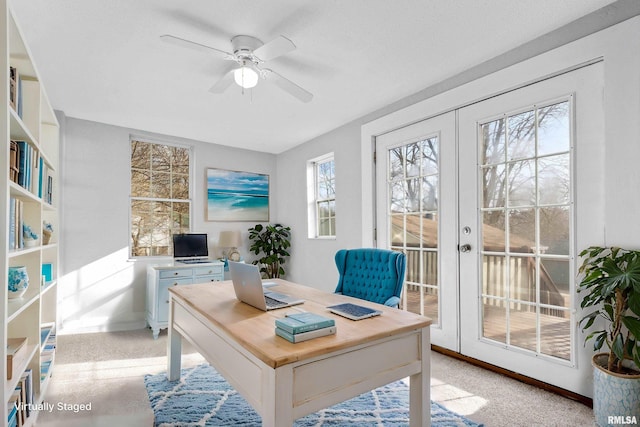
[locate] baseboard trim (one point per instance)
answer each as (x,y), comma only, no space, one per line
(73,328)
(523,378)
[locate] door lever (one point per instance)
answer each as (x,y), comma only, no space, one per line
(465,248)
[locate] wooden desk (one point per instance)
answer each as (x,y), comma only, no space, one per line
(285,381)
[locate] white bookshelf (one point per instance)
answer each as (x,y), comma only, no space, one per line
(34,315)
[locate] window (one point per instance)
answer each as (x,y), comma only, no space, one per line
(160,196)
(322,196)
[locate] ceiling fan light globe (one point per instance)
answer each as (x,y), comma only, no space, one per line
(245,77)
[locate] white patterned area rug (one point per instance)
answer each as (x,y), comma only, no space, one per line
(203,398)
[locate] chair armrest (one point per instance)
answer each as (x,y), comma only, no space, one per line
(392,302)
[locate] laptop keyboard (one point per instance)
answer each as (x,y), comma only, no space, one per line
(274,303)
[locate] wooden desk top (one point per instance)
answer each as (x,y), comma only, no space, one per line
(254,329)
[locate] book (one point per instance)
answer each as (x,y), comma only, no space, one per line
(12,223)
(19,405)
(16,354)
(12,411)
(27,377)
(47,271)
(305,336)
(13,162)
(13,87)
(303,322)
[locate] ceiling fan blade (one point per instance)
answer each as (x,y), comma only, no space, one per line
(288,86)
(224,83)
(276,47)
(196,46)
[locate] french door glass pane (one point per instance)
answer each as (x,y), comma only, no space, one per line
(522,183)
(554,230)
(493,185)
(494,319)
(553,129)
(521,136)
(522,230)
(430,156)
(522,278)
(494,236)
(555,326)
(494,137)
(526,251)
(553,180)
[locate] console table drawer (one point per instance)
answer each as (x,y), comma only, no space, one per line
(210,270)
(211,278)
(176,281)
(186,272)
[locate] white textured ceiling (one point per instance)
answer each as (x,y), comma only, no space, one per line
(103,60)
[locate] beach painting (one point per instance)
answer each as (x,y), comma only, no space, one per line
(237,196)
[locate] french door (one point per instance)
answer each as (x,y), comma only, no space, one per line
(491,203)
(416,176)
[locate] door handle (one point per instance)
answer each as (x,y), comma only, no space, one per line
(466,248)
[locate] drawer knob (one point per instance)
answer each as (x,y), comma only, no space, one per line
(175,284)
(167,301)
(175,273)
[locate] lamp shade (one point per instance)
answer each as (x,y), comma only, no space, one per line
(229,239)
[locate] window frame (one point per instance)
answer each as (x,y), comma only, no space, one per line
(314,199)
(189,200)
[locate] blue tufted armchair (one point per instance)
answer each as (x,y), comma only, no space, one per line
(371,274)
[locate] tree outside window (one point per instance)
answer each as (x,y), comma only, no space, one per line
(160,200)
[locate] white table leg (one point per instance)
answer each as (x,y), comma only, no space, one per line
(174,347)
(278,403)
(420,387)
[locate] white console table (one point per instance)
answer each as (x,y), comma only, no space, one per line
(160,277)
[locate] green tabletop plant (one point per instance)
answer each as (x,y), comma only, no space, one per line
(272,241)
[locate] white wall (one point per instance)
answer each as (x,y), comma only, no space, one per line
(100,288)
(312,261)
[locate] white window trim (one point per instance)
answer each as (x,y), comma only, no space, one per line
(312,200)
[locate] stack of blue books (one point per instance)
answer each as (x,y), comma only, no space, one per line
(298,327)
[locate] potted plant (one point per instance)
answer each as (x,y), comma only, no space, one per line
(611,285)
(273,242)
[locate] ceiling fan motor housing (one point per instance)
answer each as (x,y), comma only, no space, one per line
(243,47)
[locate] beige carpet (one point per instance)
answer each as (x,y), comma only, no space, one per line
(106,370)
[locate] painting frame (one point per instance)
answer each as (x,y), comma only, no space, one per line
(236,196)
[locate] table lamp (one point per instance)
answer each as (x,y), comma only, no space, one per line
(230,240)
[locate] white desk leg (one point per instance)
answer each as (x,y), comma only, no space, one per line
(174,347)
(420,386)
(278,403)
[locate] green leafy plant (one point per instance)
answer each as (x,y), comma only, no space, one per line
(272,241)
(611,282)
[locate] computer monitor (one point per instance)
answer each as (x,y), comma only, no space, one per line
(192,245)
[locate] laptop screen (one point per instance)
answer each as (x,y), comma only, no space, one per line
(191,245)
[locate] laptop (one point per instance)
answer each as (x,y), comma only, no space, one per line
(191,248)
(247,284)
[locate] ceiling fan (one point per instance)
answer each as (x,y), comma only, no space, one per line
(249,55)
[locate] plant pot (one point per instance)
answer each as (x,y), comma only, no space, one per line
(616,397)
(18,281)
